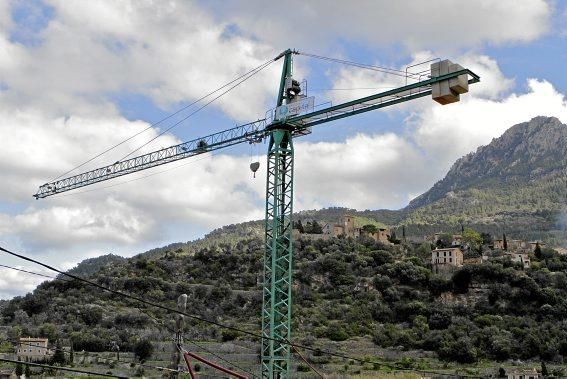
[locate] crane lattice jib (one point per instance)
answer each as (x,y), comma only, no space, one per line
(245,133)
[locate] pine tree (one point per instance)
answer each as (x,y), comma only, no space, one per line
(59,355)
(544,371)
(537,251)
(19,370)
(505,242)
(71,355)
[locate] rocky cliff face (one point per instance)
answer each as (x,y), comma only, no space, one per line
(527,152)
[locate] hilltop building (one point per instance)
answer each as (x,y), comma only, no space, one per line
(348,228)
(447,258)
(522,258)
(32,349)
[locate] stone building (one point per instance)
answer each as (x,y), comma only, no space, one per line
(452,256)
(519,373)
(522,258)
(348,228)
(498,244)
(32,349)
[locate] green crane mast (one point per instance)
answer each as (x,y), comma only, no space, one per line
(445,82)
(278,254)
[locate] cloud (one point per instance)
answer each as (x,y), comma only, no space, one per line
(460,128)
(172,52)
(493,84)
(14,283)
(414,24)
(365,171)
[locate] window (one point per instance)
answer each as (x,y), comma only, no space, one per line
(450,260)
(444,253)
(437,253)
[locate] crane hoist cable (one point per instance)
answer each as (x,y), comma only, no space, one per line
(385,70)
(198,109)
(260,67)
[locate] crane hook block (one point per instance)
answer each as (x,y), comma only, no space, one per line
(254,166)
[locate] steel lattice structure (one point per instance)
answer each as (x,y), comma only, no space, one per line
(277,287)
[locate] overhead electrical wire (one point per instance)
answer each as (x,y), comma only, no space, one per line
(260,67)
(62,368)
(33,273)
(200,346)
(218,324)
(107,359)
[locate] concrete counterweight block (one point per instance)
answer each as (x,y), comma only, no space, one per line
(441,91)
(460,84)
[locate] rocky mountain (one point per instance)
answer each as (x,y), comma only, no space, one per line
(525,154)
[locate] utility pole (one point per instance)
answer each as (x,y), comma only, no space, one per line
(178,339)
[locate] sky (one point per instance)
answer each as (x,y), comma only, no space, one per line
(77,77)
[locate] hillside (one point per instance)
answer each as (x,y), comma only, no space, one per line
(516,184)
(357,297)
(528,153)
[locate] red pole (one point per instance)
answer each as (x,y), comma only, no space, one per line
(191,373)
(187,354)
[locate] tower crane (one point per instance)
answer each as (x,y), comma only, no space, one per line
(294,116)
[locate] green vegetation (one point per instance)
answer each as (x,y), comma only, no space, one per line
(344,288)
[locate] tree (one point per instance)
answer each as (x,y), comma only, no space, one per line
(299,226)
(27,371)
(444,240)
(143,350)
(19,370)
(486,238)
(501,372)
(505,242)
(544,371)
(370,229)
(472,238)
(59,355)
(316,228)
(537,251)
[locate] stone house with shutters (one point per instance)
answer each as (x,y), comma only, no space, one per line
(447,258)
(33,349)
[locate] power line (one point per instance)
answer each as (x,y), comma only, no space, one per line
(107,359)
(200,346)
(218,324)
(61,368)
(33,273)
(260,67)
